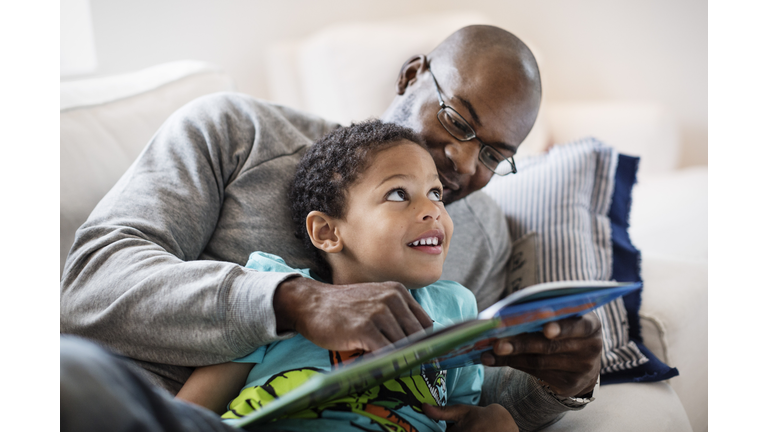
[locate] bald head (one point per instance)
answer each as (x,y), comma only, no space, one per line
(497,58)
(475,43)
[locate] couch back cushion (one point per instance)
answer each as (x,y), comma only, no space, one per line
(106,122)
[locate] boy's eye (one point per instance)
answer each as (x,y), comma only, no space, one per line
(434,195)
(396,195)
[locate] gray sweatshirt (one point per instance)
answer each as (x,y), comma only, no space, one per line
(156,272)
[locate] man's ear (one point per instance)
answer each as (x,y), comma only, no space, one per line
(322,231)
(412,67)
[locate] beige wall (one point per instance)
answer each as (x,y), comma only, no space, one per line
(651,50)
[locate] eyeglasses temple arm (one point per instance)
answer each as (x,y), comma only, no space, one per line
(437,87)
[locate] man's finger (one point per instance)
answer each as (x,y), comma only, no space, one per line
(546,363)
(503,347)
(581,327)
(412,319)
(529,343)
(452,413)
(387,324)
(424,319)
(373,341)
(537,343)
(407,312)
(421,316)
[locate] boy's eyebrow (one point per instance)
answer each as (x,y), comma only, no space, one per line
(403,176)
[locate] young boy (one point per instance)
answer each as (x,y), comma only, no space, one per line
(366,200)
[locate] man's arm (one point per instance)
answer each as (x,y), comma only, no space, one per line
(133,279)
(153,273)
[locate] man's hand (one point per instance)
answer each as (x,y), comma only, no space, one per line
(565,355)
(364,316)
(468,418)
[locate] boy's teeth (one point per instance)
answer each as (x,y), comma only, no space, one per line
(431,241)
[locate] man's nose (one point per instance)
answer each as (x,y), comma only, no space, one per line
(464,155)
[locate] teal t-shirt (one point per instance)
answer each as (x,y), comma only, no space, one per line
(394,405)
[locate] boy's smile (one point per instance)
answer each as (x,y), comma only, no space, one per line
(395,226)
(430,242)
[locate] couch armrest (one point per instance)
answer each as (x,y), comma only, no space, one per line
(674,325)
(669,226)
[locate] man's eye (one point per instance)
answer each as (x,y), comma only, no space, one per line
(495,158)
(460,125)
(435,195)
(396,195)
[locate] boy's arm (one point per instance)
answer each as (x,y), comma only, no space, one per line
(465,418)
(214,386)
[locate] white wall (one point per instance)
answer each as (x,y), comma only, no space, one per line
(651,50)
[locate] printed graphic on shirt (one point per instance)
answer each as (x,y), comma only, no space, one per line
(378,405)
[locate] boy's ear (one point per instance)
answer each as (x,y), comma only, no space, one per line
(322,231)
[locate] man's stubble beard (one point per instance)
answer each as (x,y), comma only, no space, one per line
(402,115)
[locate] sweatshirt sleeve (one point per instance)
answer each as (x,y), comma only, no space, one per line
(133,279)
(532,407)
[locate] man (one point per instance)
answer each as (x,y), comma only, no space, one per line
(156,271)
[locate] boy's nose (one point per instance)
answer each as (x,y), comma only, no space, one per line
(429,210)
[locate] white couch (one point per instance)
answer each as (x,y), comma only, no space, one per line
(106,122)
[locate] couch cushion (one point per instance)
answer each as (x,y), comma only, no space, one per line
(629,408)
(106,122)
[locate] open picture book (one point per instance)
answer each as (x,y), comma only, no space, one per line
(455,346)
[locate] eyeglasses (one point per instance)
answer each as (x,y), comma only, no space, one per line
(460,129)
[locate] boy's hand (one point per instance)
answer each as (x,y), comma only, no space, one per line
(494,417)
(364,316)
(566,354)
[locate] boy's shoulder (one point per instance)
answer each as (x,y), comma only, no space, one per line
(267,262)
(447,299)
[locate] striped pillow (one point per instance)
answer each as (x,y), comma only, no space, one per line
(564,197)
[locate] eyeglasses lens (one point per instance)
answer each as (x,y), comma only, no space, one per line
(455,124)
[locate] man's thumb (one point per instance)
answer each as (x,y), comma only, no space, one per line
(449,413)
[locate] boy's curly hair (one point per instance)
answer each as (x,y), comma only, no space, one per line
(329,167)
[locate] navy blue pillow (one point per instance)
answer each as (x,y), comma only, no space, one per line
(626,268)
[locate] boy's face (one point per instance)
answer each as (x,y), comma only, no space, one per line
(392,209)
